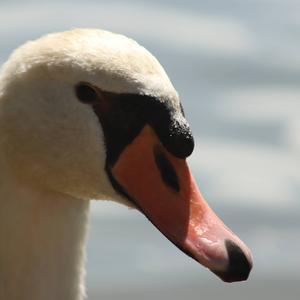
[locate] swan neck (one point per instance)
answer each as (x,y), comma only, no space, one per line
(42,243)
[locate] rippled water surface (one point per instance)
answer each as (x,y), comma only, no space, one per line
(236,66)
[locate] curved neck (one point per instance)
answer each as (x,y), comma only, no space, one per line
(42,243)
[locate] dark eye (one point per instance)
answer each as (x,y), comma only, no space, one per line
(86,93)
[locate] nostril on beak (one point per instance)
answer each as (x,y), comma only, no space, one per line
(239,265)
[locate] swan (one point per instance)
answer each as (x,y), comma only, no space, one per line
(89,114)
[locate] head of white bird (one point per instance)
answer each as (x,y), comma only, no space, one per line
(92,114)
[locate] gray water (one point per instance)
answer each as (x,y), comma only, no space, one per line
(236,66)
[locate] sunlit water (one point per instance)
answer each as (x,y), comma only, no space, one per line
(237,69)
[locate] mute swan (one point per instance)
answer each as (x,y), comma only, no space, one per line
(88,114)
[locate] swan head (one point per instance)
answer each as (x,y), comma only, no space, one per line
(93,114)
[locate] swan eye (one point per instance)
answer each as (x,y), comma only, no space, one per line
(86,93)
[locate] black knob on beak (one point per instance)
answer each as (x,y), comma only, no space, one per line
(174,132)
(179,141)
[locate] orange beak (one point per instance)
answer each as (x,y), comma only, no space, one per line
(162,187)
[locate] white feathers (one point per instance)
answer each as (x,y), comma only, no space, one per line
(114,62)
(52,154)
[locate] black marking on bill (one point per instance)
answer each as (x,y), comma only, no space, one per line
(167,171)
(125,115)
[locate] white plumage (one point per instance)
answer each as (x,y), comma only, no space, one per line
(52,155)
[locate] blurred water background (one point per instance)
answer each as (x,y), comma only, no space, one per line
(236,66)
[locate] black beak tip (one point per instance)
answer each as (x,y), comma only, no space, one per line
(239,266)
